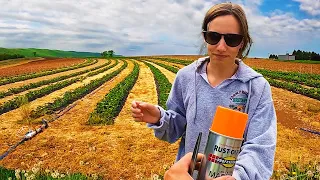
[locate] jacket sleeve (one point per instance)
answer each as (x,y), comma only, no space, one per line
(173,121)
(255,161)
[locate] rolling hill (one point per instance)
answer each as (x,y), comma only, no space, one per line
(29,52)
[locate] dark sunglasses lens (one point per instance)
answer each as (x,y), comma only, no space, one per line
(212,37)
(233,40)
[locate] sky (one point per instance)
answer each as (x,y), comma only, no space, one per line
(152,27)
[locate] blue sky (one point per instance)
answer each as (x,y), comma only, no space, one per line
(152,27)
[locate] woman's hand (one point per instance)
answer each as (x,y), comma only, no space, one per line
(179,171)
(145,112)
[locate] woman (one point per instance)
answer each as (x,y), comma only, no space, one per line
(219,79)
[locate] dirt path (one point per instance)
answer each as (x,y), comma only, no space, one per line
(68,144)
(7,98)
(134,142)
(21,83)
(295,111)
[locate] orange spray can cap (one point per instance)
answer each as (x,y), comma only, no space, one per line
(229,122)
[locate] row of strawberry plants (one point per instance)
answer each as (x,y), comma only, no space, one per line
(45,73)
(170,68)
(32,95)
(162,84)
(300,78)
(297,88)
(71,96)
(178,61)
(23,88)
(110,106)
(102,69)
(295,74)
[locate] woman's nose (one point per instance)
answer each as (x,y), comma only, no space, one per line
(222,46)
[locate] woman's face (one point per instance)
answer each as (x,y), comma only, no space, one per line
(221,52)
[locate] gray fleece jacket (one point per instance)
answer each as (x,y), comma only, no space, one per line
(191,106)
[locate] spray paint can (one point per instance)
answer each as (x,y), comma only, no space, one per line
(223,144)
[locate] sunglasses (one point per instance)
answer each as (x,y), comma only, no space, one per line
(213,38)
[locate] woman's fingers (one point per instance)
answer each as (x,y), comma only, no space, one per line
(138,119)
(137,115)
(199,161)
(135,110)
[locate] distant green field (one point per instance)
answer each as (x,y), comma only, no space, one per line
(48,53)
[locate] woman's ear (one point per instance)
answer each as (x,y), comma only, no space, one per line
(241,45)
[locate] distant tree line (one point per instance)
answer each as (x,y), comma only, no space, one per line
(305,55)
(109,53)
(273,56)
(10,56)
(301,55)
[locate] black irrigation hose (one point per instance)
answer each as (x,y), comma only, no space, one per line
(27,136)
(12,148)
(310,131)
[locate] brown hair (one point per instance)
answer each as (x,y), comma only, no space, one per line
(235,10)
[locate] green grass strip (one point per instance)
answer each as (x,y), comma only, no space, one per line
(110,106)
(162,83)
(71,96)
(20,89)
(45,73)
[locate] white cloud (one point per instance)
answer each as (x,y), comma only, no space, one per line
(138,27)
(310,6)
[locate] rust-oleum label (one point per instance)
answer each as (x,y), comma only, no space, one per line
(227,162)
(226,150)
(220,156)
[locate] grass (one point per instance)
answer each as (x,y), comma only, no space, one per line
(29,52)
(35,173)
(297,172)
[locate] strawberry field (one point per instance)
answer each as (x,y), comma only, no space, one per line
(91,134)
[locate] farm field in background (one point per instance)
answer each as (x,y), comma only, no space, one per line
(38,65)
(108,143)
